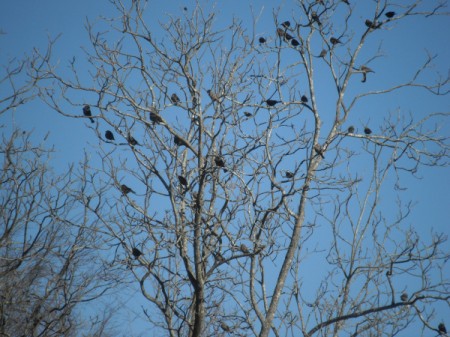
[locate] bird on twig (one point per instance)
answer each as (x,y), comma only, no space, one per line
(225,327)
(304,99)
(132,140)
(183,181)
(315,18)
(175,99)
(372,25)
(244,249)
(351,129)
(272,102)
(390,15)
(323,53)
(155,118)
(404,297)
(179,141)
(262,40)
(295,43)
(219,161)
(247,114)
(319,150)
(125,189)
(87,112)
(109,135)
(286,24)
(136,252)
(289,174)
(367,131)
(334,41)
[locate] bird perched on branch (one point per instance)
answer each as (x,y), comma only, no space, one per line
(283,34)
(442,329)
(219,161)
(136,252)
(175,99)
(286,24)
(351,129)
(109,135)
(262,40)
(323,53)
(404,297)
(125,189)
(334,41)
(315,18)
(182,181)
(272,102)
(390,15)
(179,141)
(87,112)
(247,114)
(304,99)
(295,43)
(372,25)
(213,95)
(132,140)
(288,174)
(244,249)
(155,118)
(319,150)
(225,327)
(367,131)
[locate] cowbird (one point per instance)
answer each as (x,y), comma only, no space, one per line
(404,297)
(136,252)
(244,249)
(155,118)
(262,40)
(182,181)
(288,36)
(247,114)
(179,141)
(442,329)
(319,150)
(334,41)
(125,189)
(304,99)
(175,99)
(225,327)
(286,24)
(323,53)
(390,15)
(315,17)
(132,140)
(295,43)
(351,129)
(109,135)
(272,102)
(367,131)
(219,161)
(87,112)
(213,95)
(370,24)
(288,174)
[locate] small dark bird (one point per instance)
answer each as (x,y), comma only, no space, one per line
(182,181)
(390,15)
(244,249)
(175,99)
(262,40)
(272,102)
(370,24)
(225,327)
(125,189)
(213,95)
(155,118)
(219,161)
(288,36)
(295,43)
(323,53)
(288,174)
(351,129)
(319,150)
(315,17)
(367,131)
(280,32)
(180,142)
(442,329)
(404,297)
(136,252)
(334,41)
(304,99)
(247,114)
(87,112)
(286,24)
(109,135)
(185,8)
(131,140)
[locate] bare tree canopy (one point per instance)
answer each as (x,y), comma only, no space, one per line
(240,179)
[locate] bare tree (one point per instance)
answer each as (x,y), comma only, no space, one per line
(222,181)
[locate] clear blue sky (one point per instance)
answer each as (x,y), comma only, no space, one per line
(28,23)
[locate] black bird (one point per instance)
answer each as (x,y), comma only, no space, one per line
(442,329)
(351,129)
(131,140)
(295,43)
(213,95)
(180,142)
(323,53)
(262,40)
(244,249)
(136,252)
(367,131)
(369,24)
(315,17)
(334,41)
(319,150)
(175,99)
(87,112)
(288,36)
(109,135)
(219,161)
(288,174)
(247,114)
(182,181)
(155,118)
(272,102)
(404,297)
(304,99)
(390,15)
(225,327)
(125,189)
(286,24)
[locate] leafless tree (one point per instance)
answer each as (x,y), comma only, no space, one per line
(224,198)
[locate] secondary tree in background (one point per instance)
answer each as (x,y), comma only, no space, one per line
(236,183)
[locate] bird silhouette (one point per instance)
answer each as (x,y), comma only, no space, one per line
(442,329)
(286,24)
(109,135)
(262,40)
(315,18)
(372,25)
(182,181)
(125,189)
(219,161)
(404,297)
(288,174)
(323,53)
(155,118)
(179,141)
(225,327)
(304,99)
(244,249)
(272,102)
(367,131)
(136,252)
(132,140)
(280,32)
(390,15)
(87,112)
(351,129)
(295,43)
(213,95)
(247,114)
(319,150)
(334,41)
(175,99)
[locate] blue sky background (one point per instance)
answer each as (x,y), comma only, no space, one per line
(26,24)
